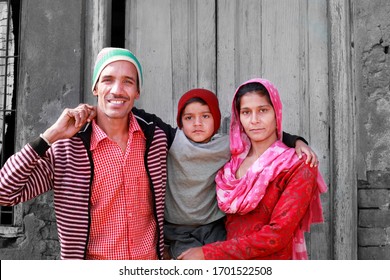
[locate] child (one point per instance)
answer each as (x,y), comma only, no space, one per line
(197,153)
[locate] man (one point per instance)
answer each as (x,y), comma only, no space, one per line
(107,169)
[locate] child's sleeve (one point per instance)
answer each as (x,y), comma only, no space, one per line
(290,139)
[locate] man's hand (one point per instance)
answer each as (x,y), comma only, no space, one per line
(70,122)
(301,147)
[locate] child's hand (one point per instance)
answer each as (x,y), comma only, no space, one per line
(192,254)
(301,147)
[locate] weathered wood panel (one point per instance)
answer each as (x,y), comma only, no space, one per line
(284,45)
(226,60)
(343,131)
(289,47)
(175,42)
(97,36)
(193,47)
(218,45)
(148,35)
(319,120)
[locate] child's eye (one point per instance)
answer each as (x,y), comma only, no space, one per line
(188,118)
(206,116)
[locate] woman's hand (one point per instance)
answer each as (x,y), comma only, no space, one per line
(301,147)
(192,254)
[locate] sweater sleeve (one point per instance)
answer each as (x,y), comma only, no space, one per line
(278,233)
(290,139)
(169,131)
(26,174)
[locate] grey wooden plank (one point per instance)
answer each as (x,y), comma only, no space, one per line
(319,119)
(343,141)
(97,36)
(148,36)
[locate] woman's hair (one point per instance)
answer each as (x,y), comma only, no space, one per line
(251,87)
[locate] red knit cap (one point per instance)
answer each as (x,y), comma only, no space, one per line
(207,96)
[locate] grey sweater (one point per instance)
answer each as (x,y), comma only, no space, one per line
(190,195)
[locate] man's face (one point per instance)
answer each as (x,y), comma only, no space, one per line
(117,89)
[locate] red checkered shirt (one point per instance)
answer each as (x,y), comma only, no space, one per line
(122,221)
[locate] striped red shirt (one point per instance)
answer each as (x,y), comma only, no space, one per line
(122,221)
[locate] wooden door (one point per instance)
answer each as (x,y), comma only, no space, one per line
(217,45)
(175,42)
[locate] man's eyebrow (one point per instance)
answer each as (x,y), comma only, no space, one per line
(107,75)
(130,77)
(126,77)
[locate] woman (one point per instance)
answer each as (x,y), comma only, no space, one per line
(270,196)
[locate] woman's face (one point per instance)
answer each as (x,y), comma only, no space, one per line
(257,117)
(198,122)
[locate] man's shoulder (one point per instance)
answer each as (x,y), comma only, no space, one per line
(150,122)
(147,119)
(143,117)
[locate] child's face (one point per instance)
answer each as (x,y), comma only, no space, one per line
(198,122)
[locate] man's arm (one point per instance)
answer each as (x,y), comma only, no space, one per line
(168,129)
(26,174)
(30,172)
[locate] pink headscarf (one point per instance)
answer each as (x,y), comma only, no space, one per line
(240,196)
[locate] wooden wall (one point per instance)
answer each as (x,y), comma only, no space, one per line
(175,41)
(214,44)
(302,46)
(218,45)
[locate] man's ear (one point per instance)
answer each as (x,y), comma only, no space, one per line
(138,95)
(94,92)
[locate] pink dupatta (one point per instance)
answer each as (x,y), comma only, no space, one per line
(240,196)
